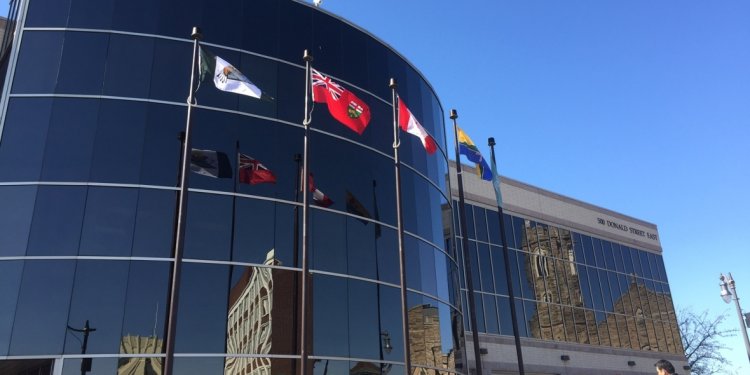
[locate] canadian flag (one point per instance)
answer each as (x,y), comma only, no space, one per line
(319,197)
(409,124)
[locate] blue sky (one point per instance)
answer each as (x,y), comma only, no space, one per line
(638,106)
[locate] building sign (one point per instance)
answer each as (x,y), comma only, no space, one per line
(627,229)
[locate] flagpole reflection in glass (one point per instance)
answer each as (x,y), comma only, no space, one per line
(400,226)
(506,256)
(465,246)
(179,241)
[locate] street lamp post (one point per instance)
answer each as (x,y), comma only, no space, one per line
(727,291)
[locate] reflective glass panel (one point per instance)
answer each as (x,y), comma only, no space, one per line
(42,310)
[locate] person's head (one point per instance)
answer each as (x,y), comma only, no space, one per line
(664,367)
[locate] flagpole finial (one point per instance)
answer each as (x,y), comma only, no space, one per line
(392,84)
(196,34)
(454,114)
(491,141)
(306,56)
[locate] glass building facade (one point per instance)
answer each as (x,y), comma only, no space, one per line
(588,283)
(93,107)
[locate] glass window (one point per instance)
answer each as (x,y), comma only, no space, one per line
(588,250)
(585,286)
(15,218)
(364,335)
(609,257)
(627,260)
(645,265)
(119,142)
(154,223)
(261,311)
(500,270)
(99,300)
(480,220)
(479,302)
(636,262)
(606,292)
(474,265)
(506,321)
(70,140)
(570,324)
(42,309)
(200,365)
(519,233)
(139,15)
(532,319)
(485,266)
(493,227)
(617,254)
(170,71)
(490,314)
(10,278)
(23,138)
(58,217)
(109,221)
(208,227)
(202,315)
(83,55)
(557,323)
(330,309)
(522,321)
(596,289)
(99,366)
(38,60)
(162,148)
(48,13)
(91,14)
(526,278)
(578,248)
(145,307)
(470,221)
(599,253)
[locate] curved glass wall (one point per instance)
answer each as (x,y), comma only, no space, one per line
(568,286)
(89,159)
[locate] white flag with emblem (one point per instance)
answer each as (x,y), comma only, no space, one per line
(228,78)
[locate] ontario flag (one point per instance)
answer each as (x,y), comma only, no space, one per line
(409,124)
(319,197)
(252,172)
(344,106)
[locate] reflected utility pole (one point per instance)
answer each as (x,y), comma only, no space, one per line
(85,362)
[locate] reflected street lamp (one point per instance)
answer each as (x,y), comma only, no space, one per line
(727,291)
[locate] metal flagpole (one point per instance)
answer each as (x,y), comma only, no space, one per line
(400,225)
(506,258)
(179,242)
(465,245)
(307,57)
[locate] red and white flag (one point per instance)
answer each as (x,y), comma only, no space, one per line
(319,197)
(409,124)
(344,106)
(252,172)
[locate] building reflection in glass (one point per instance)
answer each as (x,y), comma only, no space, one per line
(251,328)
(425,341)
(140,365)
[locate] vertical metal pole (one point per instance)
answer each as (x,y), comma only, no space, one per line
(307,57)
(179,242)
(400,225)
(508,278)
(465,245)
(743,328)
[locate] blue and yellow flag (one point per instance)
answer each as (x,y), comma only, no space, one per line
(467,148)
